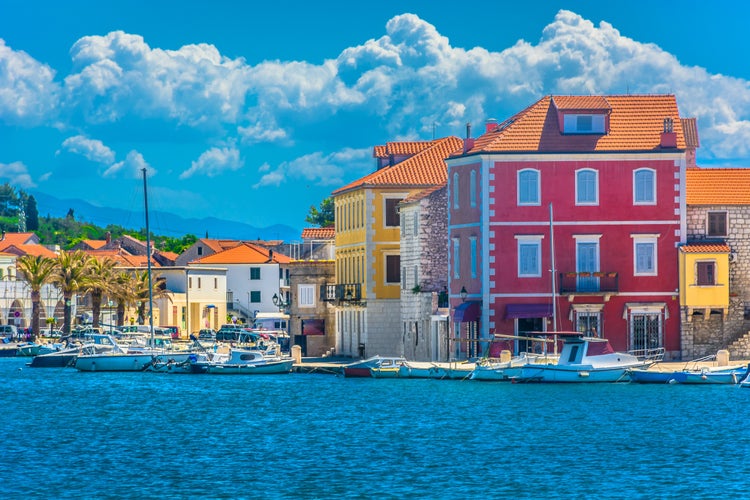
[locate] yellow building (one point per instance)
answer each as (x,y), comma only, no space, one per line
(704,279)
(368,232)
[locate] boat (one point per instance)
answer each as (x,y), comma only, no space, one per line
(506,367)
(29,349)
(387,368)
(697,375)
(66,356)
(362,368)
(242,361)
(588,359)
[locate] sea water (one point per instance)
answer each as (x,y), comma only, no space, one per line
(68,434)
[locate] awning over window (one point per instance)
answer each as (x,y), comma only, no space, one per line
(467,311)
(528,311)
(314,327)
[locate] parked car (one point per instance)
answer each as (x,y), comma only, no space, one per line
(9,331)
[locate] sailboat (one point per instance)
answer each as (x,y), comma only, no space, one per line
(122,358)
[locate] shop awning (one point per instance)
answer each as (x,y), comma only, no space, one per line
(528,311)
(467,311)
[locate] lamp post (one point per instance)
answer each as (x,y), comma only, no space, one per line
(463,293)
(279,301)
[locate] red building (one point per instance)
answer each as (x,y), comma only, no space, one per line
(580,195)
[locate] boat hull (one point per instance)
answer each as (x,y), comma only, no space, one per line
(562,374)
(268,368)
(113,362)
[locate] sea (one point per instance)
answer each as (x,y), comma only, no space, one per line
(70,434)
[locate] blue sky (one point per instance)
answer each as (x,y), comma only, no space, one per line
(254,111)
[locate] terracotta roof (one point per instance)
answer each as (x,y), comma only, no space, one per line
(31,249)
(17,239)
(690,129)
(581,103)
(425,168)
(705,248)
(402,148)
(95,244)
(244,253)
(717,186)
(379,152)
(319,233)
(169,255)
(635,124)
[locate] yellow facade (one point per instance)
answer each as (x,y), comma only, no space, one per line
(698,296)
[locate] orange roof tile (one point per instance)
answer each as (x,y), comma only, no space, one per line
(17,239)
(705,248)
(635,124)
(581,103)
(717,186)
(244,253)
(379,152)
(403,148)
(690,129)
(423,193)
(425,168)
(95,244)
(31,249)
(319,233)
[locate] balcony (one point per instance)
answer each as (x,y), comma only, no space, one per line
(348,292)
(593,283)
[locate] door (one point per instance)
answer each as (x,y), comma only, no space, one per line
(587,263)
(524,328)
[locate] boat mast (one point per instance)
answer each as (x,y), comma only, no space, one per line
(552,260)
(148,261)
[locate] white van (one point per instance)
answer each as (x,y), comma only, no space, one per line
(9,331)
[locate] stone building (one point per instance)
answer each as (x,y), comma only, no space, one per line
(718,213)
(312,321)
(424,275)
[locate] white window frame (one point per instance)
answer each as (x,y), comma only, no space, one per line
(538,194)
(529,241)
(305,296)
(455,191)
(651,201)
(572,123)
(595,201)
(473,189)
(646,239)
(456,258)
(473,246)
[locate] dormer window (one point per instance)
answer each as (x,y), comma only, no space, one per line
(583,123)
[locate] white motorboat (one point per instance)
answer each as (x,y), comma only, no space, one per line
(587,359)
(242,361)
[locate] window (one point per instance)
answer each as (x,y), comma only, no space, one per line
(254,273)
(455,190)
(216,283)
(473,243)
(587,187)
(255,297)
(199,283)
(200,250)
(644,187)
(392,268)
(473,189)
(705,274)
(584,124)
(415,222)
(529,256)
(190,282)
(645,263)
(717,224)
(392,217)
(306,295)
(403,278)
(528,187)
(645,330)
(456,258)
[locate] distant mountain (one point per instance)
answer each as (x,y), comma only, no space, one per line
(161,223)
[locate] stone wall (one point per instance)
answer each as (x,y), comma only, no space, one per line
(705,336)
(316,273)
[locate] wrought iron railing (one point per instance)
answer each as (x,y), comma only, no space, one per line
(589,282)
(347,292)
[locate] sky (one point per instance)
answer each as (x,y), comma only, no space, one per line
(256,111)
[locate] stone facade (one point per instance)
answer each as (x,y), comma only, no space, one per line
(424,269)
(705,336)
(306,277)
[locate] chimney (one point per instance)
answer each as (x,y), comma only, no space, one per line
(490,125)
(468,142)
(108,238)
(668,136)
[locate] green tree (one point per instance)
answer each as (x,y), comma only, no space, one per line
(141,292)
(123,291)
(71,275)
(37,271)
(32,214)
(100,282)
(323,216)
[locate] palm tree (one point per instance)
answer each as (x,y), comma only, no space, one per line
(101,282)
(123,291)
(71,275)
(142,292)
(37,271)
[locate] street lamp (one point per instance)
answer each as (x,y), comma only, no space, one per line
(463,293)
(279,301)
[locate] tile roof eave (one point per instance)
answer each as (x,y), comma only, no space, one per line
(572,152)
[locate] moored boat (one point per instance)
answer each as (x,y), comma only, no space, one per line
(242,361)
(702,375)
(362,368)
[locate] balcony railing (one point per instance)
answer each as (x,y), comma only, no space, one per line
(591,283)
(348,292)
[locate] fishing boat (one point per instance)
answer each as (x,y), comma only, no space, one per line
(363,367)
(699,375)
(66,356)
(242,361)
(587,359)
(507,367)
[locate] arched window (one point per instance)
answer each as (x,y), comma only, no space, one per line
(644,186)
(587,187)
(528,187)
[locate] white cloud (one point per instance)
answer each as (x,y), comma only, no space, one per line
(214,162)
(16,174)
(28,93)
(91,149)
(318,169)
(131,167)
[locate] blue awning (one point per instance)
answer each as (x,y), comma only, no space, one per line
(467,311)
(528,311)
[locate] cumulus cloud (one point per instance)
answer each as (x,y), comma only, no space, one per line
(28,92)
(318,168)
(214,162)
(16,174)
(92,149)
(132,167)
